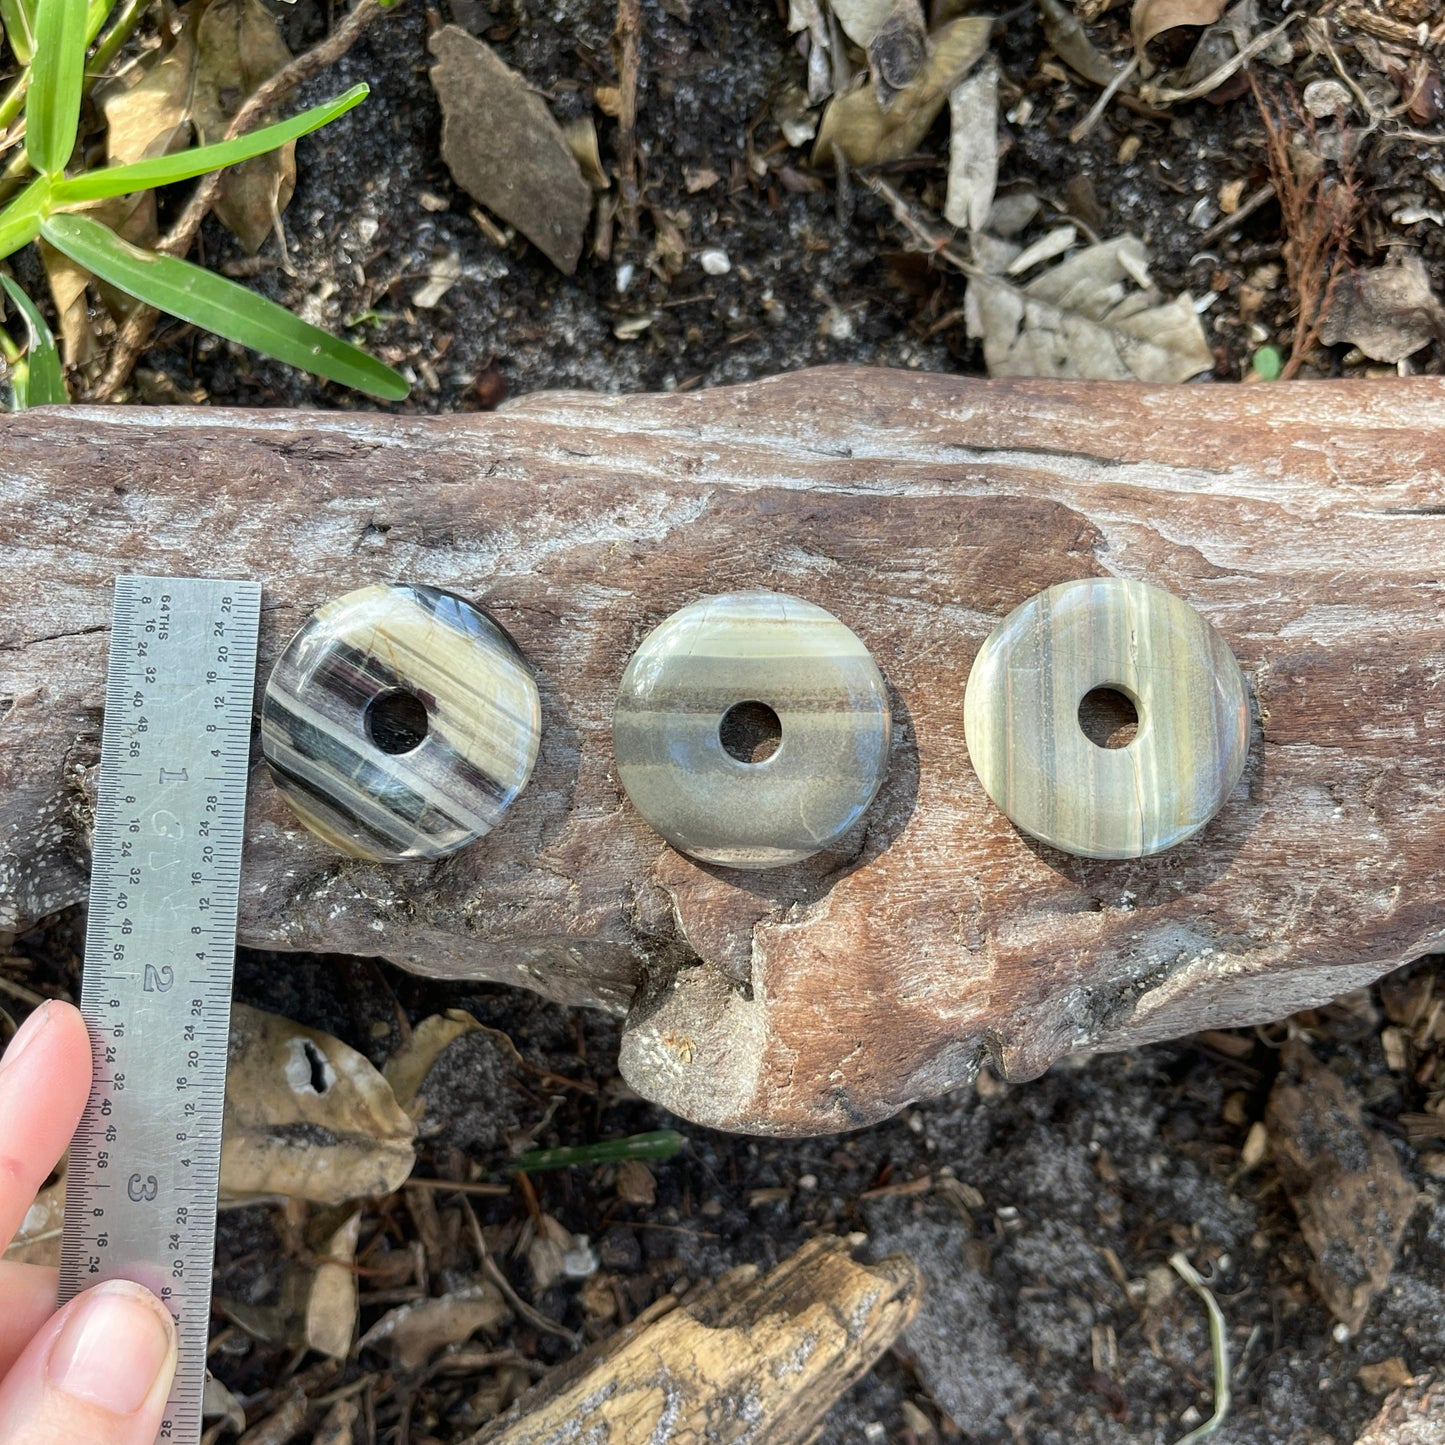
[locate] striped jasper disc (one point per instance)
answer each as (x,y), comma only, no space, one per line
(824,711)
(400,722)
(1027,743)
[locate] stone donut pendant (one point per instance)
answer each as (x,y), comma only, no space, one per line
(400,722)
(1022,719)
(751,730)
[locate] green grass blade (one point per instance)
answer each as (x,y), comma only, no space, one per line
(20,220)
(167,170)
(659,1144)
(45,385)
(57,76)
(219,305)
(18,18)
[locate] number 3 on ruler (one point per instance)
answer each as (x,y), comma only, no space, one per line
(142,1191)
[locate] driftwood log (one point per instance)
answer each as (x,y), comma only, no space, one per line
(746,1359)
(1306,521)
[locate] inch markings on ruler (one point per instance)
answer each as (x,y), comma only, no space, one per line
(160,949)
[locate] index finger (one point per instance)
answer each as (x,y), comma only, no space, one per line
(44,1083)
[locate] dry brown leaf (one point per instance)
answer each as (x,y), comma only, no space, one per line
(1070,42)
(807,15)
(1087,317)
(1386,1375)
(415,1332)
(331,1306)
(1153,17)
(635,1183)
(503,146)
(308,1117)
(239,47)
(867,134)
(132,217)
(861,19)
(547,1248)
(1389,312)
(68,283)
(973,148)
(581,138)
(406,1070)
(218,1403)
(455,1075)
(147,107)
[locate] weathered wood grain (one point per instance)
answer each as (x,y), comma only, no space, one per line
(1306,522)
(756,1361)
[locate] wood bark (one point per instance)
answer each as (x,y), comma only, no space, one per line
(746,1360)
(1306,521)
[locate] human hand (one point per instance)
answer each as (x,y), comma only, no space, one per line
(100,1369)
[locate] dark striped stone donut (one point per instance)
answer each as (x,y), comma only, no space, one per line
(400,722)
(801,664)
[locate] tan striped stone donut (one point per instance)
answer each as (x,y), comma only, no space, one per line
(1021,718)
(774,652)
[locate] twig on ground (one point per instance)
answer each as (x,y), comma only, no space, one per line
(1225,224)
(931,240)
(493,1272)
(1218,1343)
(1157,95)
(626,41)
(135,335)
(1102,104)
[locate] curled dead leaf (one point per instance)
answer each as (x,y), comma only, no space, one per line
(1149,18)
(581,138)
(413,1333)
(453,1076)
(1070,42)
(866,133)
(307,1117)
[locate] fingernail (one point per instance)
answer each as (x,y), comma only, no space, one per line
(112,1349)
(26,1035)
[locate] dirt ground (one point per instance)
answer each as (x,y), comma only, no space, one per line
(1043,1215)
(814,277)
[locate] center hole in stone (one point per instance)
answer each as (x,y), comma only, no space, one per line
(750,732)
(1108,717)
(396,721)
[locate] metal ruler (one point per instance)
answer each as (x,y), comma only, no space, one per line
(160,948)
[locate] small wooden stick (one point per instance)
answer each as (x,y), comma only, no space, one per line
(782,1349)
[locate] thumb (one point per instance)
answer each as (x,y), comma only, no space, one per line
(99,1370)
